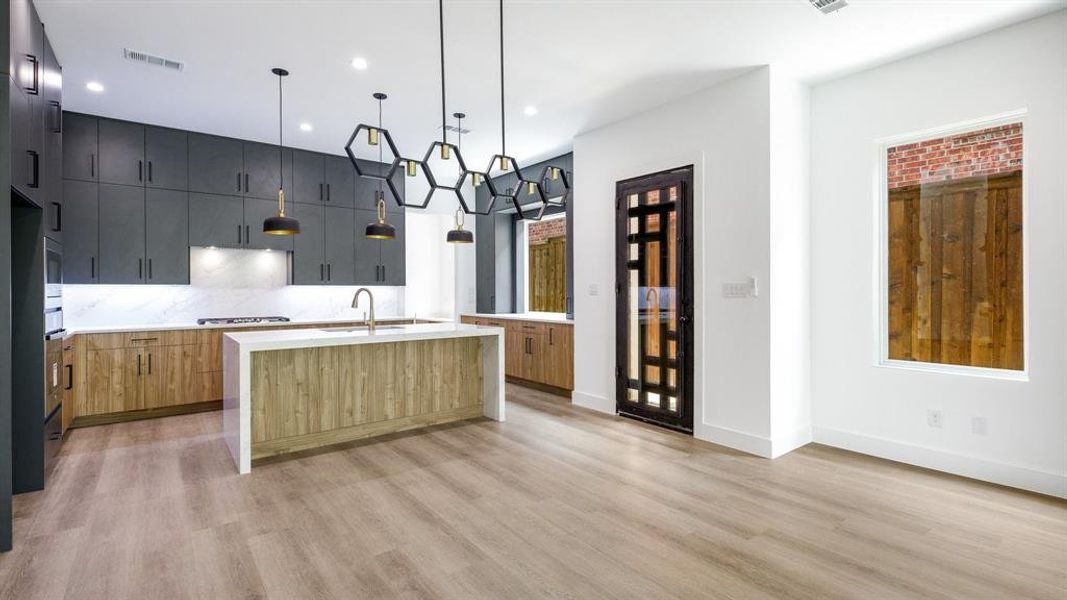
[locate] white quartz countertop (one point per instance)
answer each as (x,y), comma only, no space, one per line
(118,328)
(541,317)
(309,338)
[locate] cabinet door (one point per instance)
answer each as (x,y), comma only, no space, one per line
(340,246)
(485,254)
(133,396)
(81,211)
(216,220)
(105,382)
(559,356)
(504,264)
(215,164)
(79,147)
(391,204)
(121,152)
(24,163)
(533,363)
(368,251)
(52,145)
(263,171)
(366,188)
(309,267)
(340,181)
(122,234)
(167,239)
(257,211)
(167,154)
(309,177)
(394,254)
(514,352)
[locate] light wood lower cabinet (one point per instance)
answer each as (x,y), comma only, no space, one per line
(535,351)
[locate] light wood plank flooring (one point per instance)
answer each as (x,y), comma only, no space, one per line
(556,503)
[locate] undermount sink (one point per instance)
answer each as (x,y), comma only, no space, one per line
(363,328)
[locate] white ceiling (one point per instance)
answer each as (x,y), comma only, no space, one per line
(583,63)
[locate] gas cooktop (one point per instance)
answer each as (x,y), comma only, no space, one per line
(240,320)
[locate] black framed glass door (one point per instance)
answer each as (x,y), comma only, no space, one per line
(654,290)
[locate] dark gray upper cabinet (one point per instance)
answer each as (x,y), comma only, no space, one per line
(255,212)
(340,246)
(81,242)
(309,177)
(368,251)
(340,180)
(215,164)
(80,135)
(167,236)
(366,190)
(167,157)
(216,220)
(494,259)
(394,254)
(121,152)
(263,171)
(52,145)
(309,264)
(122,234)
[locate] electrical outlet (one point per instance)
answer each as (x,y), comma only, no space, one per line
(979,426)
(934,418)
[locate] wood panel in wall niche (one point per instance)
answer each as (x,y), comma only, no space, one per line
(305,391)
(548,275)
(956,272)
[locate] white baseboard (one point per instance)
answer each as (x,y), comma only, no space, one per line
(593,402)
(1026,478)
(732,438)
(784,444)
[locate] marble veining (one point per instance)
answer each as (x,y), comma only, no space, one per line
(223,283)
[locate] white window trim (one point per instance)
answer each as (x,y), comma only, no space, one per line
(525,249)
(881,254)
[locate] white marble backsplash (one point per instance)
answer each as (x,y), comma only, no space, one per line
(223,283)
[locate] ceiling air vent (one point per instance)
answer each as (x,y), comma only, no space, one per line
(828,6)
(151,59)
(455,129)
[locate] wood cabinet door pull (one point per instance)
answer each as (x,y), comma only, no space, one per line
(138,364)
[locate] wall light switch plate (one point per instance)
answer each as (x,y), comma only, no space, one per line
(735,290)
(594,289)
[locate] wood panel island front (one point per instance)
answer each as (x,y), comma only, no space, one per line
(291,390)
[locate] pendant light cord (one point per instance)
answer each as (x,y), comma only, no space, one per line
(503,135)
(281,168)
(441,32)
(380,194)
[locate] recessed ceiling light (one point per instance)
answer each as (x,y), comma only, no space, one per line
(530,110)
(305,127)
(94,86)
(359,63)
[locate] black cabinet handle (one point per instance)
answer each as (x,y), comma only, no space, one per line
(35,87)
(246,182)
(492,302)
(92,165)
(149,171)
(550,342)
(320,193)
(238,235)
(140,268)
(70,377)
(35,173)
(150,268)
(149,363)
(329,274)
(327,192)
(138,364)
(92,267)
(238,181)
(321,276)
(246,235)
(140,170)
(57,221)
(383,274)
(57,117)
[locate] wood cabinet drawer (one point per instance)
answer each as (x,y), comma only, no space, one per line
(136,339)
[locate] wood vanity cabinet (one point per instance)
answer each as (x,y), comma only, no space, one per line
(536,352)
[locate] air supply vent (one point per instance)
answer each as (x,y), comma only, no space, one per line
(454,129)
(828,6)
(151,59)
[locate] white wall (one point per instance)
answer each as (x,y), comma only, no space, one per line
(882,411)
(725,132)
(223,283)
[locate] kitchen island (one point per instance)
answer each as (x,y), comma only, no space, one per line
(297,389)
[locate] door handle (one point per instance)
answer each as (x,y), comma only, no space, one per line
(149,171)
(92,165)
(247,238)
(327,192)
(140,268)
(329,274)
(238,235)
(550,332)
(92,267)
(70,377)
(320,193)
(138,364)
(238,181)
(35,87)
(57,117)
(34,164)
(149,363)
(140,170)
(57,221)
(150,268)
(246,182)
(321,277)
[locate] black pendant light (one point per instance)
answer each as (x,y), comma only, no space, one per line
(280,224)
(380,230)
(459,235)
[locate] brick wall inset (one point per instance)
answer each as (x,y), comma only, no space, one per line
(991,151)
(542,231)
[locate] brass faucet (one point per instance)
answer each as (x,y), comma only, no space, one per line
(355,304)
